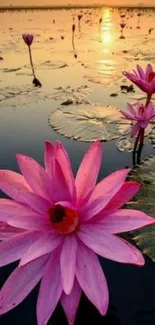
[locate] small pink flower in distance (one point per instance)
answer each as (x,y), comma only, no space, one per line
(28,39)
(141,115)
(64,223)
(122,25)
(145,80)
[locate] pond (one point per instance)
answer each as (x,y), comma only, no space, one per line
(87,74)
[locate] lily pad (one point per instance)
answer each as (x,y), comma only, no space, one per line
(76,95)
(152,137)
(125,144)
(145,201)
(88,122)
(45,65)
(16,96)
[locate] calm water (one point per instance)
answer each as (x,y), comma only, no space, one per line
(92,76)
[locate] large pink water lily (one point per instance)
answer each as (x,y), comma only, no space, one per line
(144,79)
(64,223)
(141,115)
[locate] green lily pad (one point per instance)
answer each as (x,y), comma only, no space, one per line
(145,201)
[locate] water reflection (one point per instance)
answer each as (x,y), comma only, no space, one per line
(107,31)
(108,66)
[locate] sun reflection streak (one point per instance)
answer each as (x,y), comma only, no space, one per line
(107,31)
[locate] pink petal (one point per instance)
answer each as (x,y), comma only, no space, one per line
(128,116)
(109,246)
(34,201)
(132,77)
(67,262)
(50,289)
(153,86)
(136,73)
(32,221)
(149,69)
(91,278)
(70,302)
(65,164)
(60,185)
(144,86)
(131,109)
(125,194)
(43,245)
(49,154)
(103,193)
(143,124)
(12,183)
(135,129)
(7,231)
(145,116)
(65,204)
(9,208)
(13,249)
(123,220)
(88,171)
(36,177)
(93,208)
(141,72)
(20,284)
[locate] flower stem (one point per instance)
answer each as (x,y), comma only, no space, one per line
(140,140)
(148,100)
(140,146)
(135,147)
(137,140)
(31,61)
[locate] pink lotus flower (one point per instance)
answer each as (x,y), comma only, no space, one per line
(145,80)
(64,223)
(142,115)
(28,39)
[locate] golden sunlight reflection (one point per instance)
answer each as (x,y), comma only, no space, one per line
(107,31)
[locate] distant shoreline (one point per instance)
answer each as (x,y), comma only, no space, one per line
(68,7)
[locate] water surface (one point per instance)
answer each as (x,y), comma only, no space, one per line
(92,77)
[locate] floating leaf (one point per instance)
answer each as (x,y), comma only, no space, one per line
(48,65)
(125,144)
(88,122)
(145,201)
(152,137)
(76,95)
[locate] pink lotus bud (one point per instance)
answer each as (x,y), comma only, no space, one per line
(122,25)
(80,17)
(122,15)
(28,39)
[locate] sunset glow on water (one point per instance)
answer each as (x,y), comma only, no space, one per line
(79,56)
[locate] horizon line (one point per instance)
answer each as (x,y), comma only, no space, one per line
(70,6)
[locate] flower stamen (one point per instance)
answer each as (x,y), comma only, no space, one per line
(64,220)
